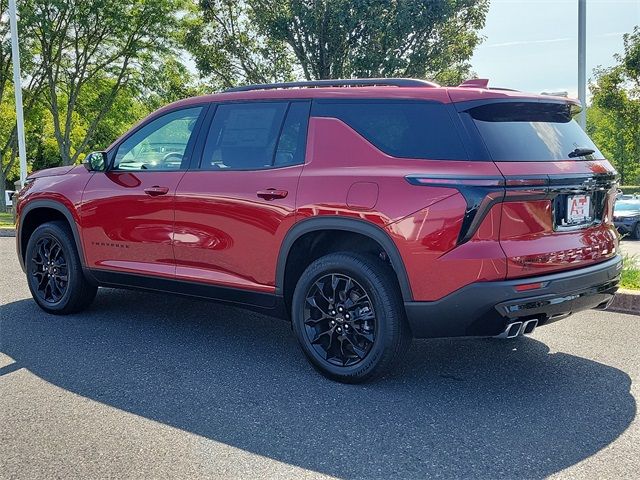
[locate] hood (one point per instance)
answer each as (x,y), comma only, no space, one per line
(52,172)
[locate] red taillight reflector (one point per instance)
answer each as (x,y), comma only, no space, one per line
(445,181)
(528,286)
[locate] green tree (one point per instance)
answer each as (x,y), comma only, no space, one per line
(228,49)
(271,40)
(614,119)
(90,51)
(32,70)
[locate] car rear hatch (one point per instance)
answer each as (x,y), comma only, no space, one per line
(556,213)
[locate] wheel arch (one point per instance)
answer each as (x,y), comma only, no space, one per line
(34,214)
(361,227)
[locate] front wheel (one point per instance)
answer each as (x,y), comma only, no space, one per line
(349,318)
(54,272)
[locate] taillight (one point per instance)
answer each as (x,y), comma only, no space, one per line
(483,192)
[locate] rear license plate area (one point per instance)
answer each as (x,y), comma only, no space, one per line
(574,211)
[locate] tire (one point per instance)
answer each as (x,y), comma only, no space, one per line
(368,338)
(54,271)
(636,231)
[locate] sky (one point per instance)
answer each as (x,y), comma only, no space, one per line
(532,45)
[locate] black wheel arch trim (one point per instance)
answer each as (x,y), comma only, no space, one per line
(348,225)
(54,205)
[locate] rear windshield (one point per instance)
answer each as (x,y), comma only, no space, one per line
(407,129)
(528,131)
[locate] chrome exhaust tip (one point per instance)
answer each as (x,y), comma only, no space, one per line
(529,326)
(511,331)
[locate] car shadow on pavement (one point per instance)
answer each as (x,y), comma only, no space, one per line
(457,408)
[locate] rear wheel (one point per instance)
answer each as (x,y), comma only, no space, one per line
(54,272)
(349,318)
(636,231)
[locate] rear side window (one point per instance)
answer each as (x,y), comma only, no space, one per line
(243,136)
(406,129)
(257,135)
(532,131)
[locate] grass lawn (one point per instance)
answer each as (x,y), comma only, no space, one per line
(6,220)
(630,274)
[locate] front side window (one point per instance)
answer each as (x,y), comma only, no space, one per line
(160,144)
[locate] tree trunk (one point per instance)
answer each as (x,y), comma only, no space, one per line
(3,189)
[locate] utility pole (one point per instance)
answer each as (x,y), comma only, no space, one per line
(17,88)
(582,61)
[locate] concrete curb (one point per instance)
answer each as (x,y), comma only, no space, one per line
(626,301)
(7,232)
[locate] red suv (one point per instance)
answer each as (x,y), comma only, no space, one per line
(366,211)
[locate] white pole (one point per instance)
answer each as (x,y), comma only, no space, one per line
(582,61)
(17,87)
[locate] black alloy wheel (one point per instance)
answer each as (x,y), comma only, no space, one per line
(339,319)
(349,317)
(54,271)
(49,269)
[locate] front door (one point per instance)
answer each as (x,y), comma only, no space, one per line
(234,209)
(127,213)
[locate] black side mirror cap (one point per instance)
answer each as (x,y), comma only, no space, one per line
(96,161)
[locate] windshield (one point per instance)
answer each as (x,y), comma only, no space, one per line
(532,131)
(627,206)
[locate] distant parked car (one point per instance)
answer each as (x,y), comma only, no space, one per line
(626,217)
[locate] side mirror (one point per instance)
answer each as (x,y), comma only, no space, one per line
(96,162)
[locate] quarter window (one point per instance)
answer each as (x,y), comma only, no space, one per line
(292,143)
(159,145)
(406,129)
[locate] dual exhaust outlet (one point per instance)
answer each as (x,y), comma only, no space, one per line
(519,328)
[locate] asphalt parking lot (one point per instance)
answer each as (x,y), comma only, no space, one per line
(630,247)
(147,386)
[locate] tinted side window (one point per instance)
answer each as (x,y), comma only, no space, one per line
(160,144)
(407,129)
(293,139)
(528,131)
(243,136)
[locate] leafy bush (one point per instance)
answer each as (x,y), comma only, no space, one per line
(630,189)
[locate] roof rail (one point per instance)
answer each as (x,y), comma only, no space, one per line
(355,82)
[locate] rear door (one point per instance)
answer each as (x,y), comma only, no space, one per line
(237,203)
(559,187)
(127,212)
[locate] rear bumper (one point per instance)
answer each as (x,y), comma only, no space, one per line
(485,308)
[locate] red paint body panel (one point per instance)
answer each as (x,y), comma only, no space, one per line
(225,233)
(527,233)
(64,189)
(125,229)
(423,235)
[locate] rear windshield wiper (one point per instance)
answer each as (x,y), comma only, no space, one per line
(581,152)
